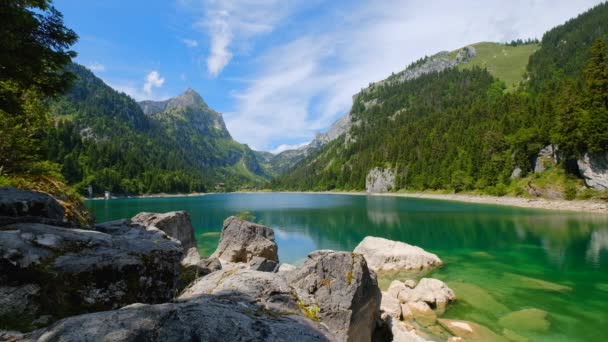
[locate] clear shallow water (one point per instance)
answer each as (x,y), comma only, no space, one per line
(498,259)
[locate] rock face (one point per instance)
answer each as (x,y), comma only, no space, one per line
(386,255)
(205,318)
(379,180)
(28,206)
(263,265)
(241,241)
(340,289)
(60,271)
(176,224)
(270,290)
(594,169)
(547,156)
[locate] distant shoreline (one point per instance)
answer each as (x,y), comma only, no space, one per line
(520,202)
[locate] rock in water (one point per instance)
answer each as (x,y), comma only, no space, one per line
(242,240)
(432,291)
(28,206)
(379,180)
(594,169)
(387,255)
(205,318)
(73,271)
(341,291)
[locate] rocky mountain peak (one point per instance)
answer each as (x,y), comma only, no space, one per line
(189,98)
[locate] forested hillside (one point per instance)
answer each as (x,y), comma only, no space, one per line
(104,139)
(460,129)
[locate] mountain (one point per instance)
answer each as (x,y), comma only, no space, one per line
(481,118)
(505,62)
(105,139)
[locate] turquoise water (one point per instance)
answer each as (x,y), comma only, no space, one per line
(498,259)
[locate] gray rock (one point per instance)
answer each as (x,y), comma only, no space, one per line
(432,291)
(116,264)
(241,241)
(263,265)
(341,291)
(594,169)
(547,156)
(379,180)
(283,268)
(176,224)
(270,290)
(18,205)
(209,265)
(205,318)
(516,173)
(387,255)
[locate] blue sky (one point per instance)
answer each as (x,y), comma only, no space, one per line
(282,71)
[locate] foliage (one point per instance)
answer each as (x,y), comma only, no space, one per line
(459,130)
(245,215)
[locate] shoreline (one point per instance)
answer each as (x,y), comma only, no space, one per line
(584,206)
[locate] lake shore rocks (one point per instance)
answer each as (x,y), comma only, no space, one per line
(204,318)
(18,205)
(242,240)
(387,255)
(342,292)
(70,271)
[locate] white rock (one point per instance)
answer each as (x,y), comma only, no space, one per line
(390,305)
(386,255)
(594,169)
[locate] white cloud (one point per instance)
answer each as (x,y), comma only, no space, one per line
(301,86)
(96,67)
(153,79)
(285,147)
(231,24)
(191,43)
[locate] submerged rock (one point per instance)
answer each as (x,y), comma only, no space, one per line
(242,240)
(72,271)
(386,255)
(343,290)
(526,319)
(470,331)
(205,318)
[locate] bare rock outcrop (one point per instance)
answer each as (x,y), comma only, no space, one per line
(205,318)
(387,255)
(18,205)
(242,240)
(60,271)
(594,169)
(379,180)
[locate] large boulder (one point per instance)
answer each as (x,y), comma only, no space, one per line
(594,169)
(29,206)
(242,240)
(339,289)
(176,224)
(547,156)
(270,290)
(205,318)
(387,255)
(60,272)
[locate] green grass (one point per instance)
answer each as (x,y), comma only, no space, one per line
(507,63)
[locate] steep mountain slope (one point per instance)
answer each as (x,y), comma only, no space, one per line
(445,123)
(505,62)
(104,139)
